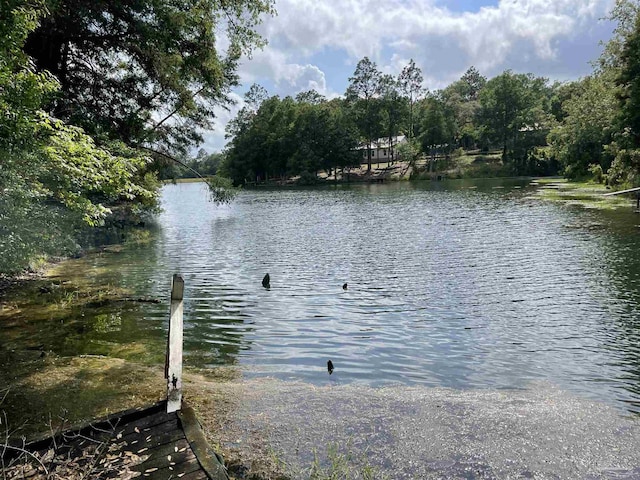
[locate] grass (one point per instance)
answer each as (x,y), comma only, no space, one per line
(64,391)
(468,158)
(340,464)
(183,180)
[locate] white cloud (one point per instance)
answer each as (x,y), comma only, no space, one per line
(316,43)
(485,37)
(302,77)
(287,77)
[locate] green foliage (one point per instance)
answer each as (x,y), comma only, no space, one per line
(273,138)
(437,124)
(221,189)
(620,62)
(624,13)
(588,118)
(285,137)
(461,100)
(481,170)
(263,142)
(596,170)
(410,81)
(54,180)
(392,105)
(625,168)
(307,179)
(364,88)
(409,152)
(628,82)
(514,110)
(83,177)
(599,129)
(145,71)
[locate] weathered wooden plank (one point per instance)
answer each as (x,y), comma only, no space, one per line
(171,425)
(168,455)
(106,423)
(145,423)
(169,471)
(197,475)
(174,360)
(177,449)
(158,437)
(209,460)
(142,445)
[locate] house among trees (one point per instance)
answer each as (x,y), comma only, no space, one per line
(381,149)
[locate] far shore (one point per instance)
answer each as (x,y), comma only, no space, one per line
(559,189)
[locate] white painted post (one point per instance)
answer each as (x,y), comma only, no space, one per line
(173,372)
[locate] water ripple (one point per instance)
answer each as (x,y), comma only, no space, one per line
(447,286)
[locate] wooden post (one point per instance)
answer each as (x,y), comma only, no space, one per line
(173,370)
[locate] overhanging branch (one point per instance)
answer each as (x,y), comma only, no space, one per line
(179,162)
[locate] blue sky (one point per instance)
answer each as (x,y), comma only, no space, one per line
(317,43)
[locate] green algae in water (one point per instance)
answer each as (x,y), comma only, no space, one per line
(77,309)
(585,194)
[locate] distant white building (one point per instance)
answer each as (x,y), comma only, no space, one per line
(381,149)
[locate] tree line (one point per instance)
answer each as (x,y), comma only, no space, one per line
(274,137)
(584,128)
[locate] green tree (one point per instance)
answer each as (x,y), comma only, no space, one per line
(393,110)
(311,97)
(514,107)
(628,81)
(410,81)
(588,123)
(471,83)
(621,61)
(262,141)
(362,93)
(437,126)
(437,123)
(53,177)
(560,93)
(325,137)
(147,72)
(462,97)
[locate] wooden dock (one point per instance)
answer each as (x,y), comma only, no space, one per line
(148,444)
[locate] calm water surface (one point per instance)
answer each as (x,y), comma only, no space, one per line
(465,285)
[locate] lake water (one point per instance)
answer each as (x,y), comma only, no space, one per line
(456,284)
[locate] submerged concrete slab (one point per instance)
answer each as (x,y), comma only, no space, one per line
(417,432)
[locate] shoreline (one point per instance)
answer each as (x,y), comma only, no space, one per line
(553,188)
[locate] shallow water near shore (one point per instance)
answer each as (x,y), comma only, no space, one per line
(469,285)
(406,432)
